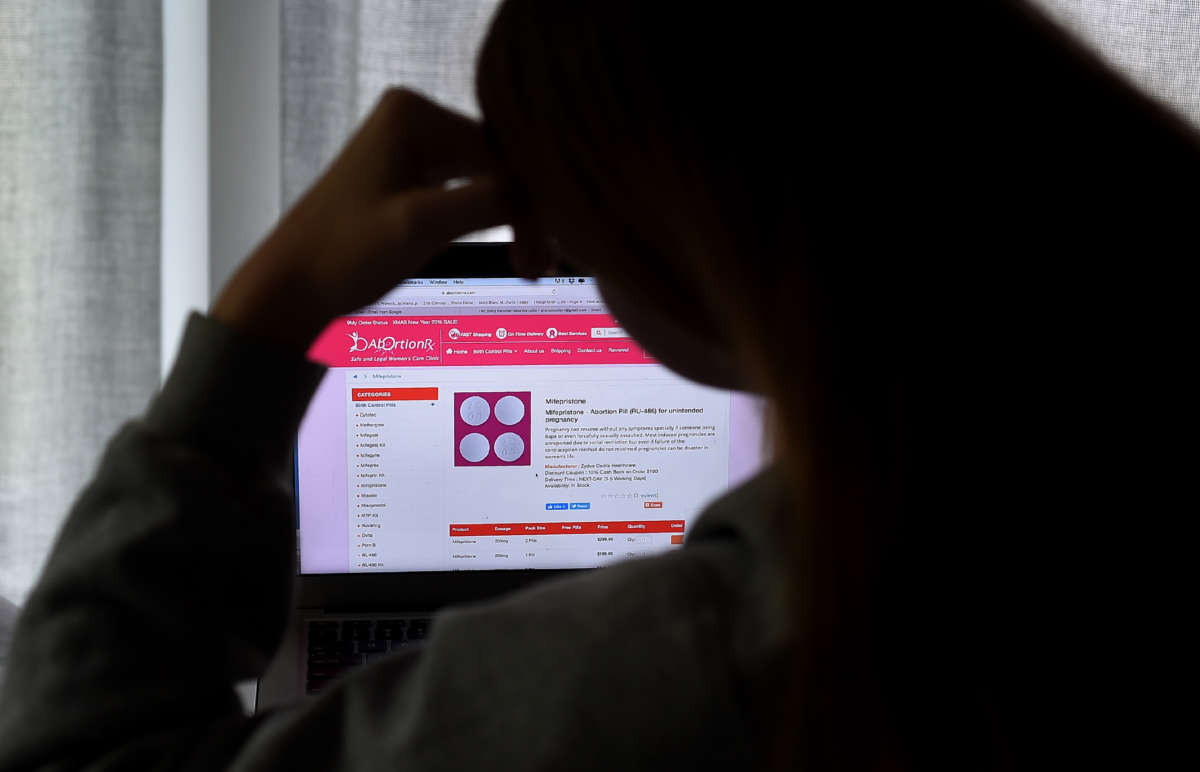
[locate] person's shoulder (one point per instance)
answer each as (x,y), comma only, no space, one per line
(735,536)
(669,586)
(707,599)
(748,513)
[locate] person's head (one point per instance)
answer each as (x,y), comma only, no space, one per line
(644,160)
(658,146)
(818,207)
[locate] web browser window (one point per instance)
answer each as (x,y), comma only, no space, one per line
(503,423)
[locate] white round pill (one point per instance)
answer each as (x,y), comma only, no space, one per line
(474,410)
(510,410)
(474,447)
(509,447)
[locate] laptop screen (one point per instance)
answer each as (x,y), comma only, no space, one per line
(495,423)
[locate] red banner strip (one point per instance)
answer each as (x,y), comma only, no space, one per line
(545,529)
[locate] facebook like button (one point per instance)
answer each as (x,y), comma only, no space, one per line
(556,505)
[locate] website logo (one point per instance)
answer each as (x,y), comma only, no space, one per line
(385,344)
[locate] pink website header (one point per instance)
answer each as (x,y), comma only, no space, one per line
(473,341)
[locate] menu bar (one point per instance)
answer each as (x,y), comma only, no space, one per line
(425,341)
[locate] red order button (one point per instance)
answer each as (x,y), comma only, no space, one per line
(416,393)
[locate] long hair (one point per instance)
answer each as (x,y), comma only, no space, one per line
(832,192)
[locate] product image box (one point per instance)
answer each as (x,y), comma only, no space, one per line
(492,428)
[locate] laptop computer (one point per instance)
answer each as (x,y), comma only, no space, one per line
(476,433)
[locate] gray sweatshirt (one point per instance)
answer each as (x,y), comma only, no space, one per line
(171,580)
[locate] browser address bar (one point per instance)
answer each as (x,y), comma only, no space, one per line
(445,292)
(510,290)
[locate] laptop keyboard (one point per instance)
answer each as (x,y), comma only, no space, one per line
(338,645)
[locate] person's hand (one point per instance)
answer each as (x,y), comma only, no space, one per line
(378,213)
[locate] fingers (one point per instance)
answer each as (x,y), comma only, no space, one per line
(422,221)
(435,143)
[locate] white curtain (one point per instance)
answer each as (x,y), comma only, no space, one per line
(338,58)
(1154,43)
(80,104)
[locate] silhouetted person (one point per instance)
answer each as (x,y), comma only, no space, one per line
(937,237)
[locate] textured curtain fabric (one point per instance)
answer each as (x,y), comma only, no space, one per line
(80,105)
(1154,43)
(339,57)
